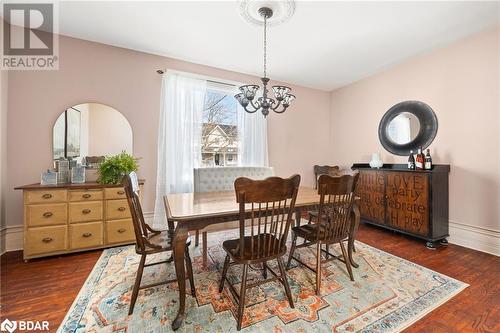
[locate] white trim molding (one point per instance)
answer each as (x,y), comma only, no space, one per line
(473,237)
(11,238)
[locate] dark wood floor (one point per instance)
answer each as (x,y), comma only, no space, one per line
(44,289)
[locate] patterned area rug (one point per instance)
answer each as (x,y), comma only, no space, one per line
(389,294)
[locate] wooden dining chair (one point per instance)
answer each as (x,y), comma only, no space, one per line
(271,202)
(318,171)
(333,224)
(149,241)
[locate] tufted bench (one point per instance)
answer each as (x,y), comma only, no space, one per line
(222,179)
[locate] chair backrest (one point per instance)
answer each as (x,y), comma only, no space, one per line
(222,178)
(336,200)
(325,170)
(131,185)
(271,205)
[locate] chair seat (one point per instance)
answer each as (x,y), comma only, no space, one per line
(163,240)
(310,232)
(265,246)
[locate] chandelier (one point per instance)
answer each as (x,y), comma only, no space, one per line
(247,97)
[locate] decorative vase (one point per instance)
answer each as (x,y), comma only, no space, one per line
(376,162)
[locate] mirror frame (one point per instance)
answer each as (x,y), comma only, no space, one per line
(428,127)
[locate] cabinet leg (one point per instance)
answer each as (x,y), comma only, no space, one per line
(430,245)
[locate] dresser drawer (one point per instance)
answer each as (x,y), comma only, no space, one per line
(84,235)
(86,195)
(45,240)
(85,211)
(40,215)
(115,193)
(117,209)
(46,196)
(120,231)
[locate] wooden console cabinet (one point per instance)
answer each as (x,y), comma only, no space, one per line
(407,201)
(74,217)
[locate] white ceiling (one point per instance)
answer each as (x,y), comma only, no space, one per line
(325,45)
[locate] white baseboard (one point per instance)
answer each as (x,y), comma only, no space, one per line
(473,237)
(477,238)
(11,238)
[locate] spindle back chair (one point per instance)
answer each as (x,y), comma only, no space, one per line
(269,206)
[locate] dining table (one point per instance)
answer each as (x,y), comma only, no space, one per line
(196,210)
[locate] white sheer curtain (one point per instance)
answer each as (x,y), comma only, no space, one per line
(252,137)
(179,137)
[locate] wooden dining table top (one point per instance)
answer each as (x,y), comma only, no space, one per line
(186,206)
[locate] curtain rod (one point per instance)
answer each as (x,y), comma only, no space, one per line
(161,71)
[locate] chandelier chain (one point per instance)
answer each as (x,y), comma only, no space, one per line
(265,46)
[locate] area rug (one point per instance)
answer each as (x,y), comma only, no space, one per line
(388,295)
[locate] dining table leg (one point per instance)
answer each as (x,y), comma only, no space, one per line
(298,216)
(356,216)
(180,237)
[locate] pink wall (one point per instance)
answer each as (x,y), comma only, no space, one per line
(461,83)
(127,80)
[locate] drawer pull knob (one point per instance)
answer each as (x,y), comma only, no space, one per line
(47,240)
(87,234)
(47,214)
(122,209)
(120,192)
(86,196)
(121,230)
(86,211)
(47,196)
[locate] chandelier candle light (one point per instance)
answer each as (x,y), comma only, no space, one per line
(248,92)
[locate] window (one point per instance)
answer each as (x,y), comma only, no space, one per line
(219,139)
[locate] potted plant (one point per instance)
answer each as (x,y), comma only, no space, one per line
(113,168)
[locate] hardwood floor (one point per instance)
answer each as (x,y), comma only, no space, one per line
(44,289)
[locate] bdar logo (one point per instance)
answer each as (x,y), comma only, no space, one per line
(8,325)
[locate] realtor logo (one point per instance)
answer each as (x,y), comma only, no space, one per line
(29,36)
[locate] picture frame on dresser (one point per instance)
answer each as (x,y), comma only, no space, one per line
(67,218)
(411,202)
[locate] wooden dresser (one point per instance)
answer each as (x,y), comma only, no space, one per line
(74,217)
(407,201)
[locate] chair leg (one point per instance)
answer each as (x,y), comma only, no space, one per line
(264,270)
(189,269)
(197,238)
(318,269)
(327,248)
(347,262)
(241,305)
(205,249)
(224,272)
(285,282)
(137,284)
(292,250)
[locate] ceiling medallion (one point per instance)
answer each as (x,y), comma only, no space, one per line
(248,99)
(282,11)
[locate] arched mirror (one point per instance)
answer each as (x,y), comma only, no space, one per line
(407,126)
(87,132)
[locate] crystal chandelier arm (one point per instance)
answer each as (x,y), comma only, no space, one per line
(280,111)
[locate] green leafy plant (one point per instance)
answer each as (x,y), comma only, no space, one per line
(113,168)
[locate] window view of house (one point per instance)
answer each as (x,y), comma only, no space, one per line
(219,146)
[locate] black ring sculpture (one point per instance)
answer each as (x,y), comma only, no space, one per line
(427,133)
